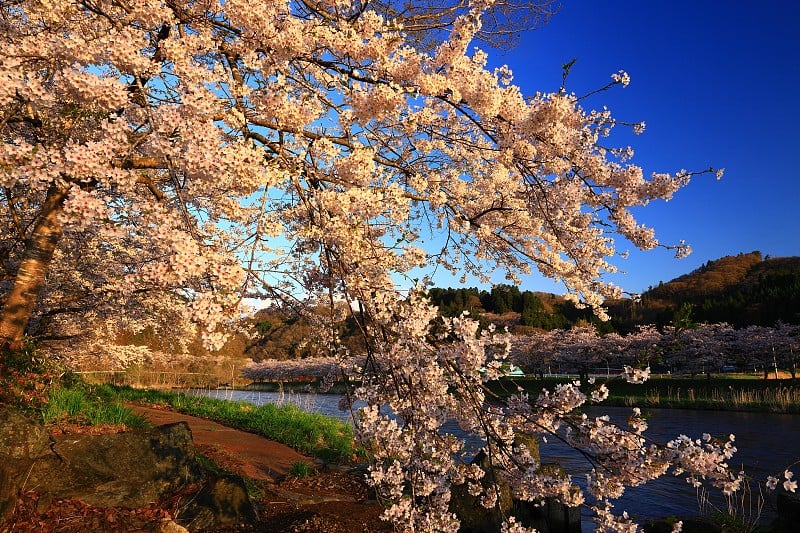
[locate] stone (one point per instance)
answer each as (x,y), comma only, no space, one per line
(43,503)
(548,517)
(21,437)
(8,492)
(21,441)
(474,517)
(222,502)
(551,516)
(126,470)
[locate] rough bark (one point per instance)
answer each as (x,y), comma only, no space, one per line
(32,271)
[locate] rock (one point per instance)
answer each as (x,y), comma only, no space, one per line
(127,470)
(549,517)
(43,503)
(474,517)
(8,492)
(21,437)
(120,470)
(222,502)
(21,441)
(531,442)
(552,516)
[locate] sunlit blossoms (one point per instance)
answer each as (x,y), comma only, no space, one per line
(789,484)
(172,158)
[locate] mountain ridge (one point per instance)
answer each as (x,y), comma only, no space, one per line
(744,289)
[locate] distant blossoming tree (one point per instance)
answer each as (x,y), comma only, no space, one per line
(208,151)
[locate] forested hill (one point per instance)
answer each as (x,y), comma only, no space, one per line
(741,290)
(746,289)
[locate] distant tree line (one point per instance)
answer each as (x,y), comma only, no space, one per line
(743,290)
(536,310)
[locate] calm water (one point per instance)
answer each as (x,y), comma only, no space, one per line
(767,444)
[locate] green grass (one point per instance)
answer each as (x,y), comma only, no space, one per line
(78,405)
(309,433)
(302,469)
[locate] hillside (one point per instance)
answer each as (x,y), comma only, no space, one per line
(746,289)
(742,290)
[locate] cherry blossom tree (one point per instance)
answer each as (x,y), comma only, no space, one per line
(698,350)
(191,136)
(788,346)
(580,350)
(303,151)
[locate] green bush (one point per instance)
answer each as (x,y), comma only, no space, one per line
(63,403)
(115,414)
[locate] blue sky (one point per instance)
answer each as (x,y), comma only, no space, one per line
(717,85)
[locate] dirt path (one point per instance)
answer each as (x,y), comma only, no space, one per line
(330,501)
(246,453)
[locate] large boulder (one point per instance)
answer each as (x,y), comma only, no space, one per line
(474,517)
(22,440)
(20,437)
(127,470)
(223,501)
(119,470)
(549,516)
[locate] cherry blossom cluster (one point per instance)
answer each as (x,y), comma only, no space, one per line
(788,485)
(320,368)
(414,460)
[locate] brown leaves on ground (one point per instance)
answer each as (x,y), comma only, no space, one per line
(42,513)
(330,502)
(326,502)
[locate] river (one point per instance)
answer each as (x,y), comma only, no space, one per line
(767,443)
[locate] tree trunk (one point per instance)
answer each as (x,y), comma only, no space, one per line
(32,271)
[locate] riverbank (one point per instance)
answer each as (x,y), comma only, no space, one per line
(760,437)
(718,392)
(714,393)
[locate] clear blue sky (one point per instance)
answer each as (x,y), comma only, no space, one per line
(717,85)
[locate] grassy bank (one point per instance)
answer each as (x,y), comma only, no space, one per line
(58,397)
(718,392)
(80,405)
(309,433)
